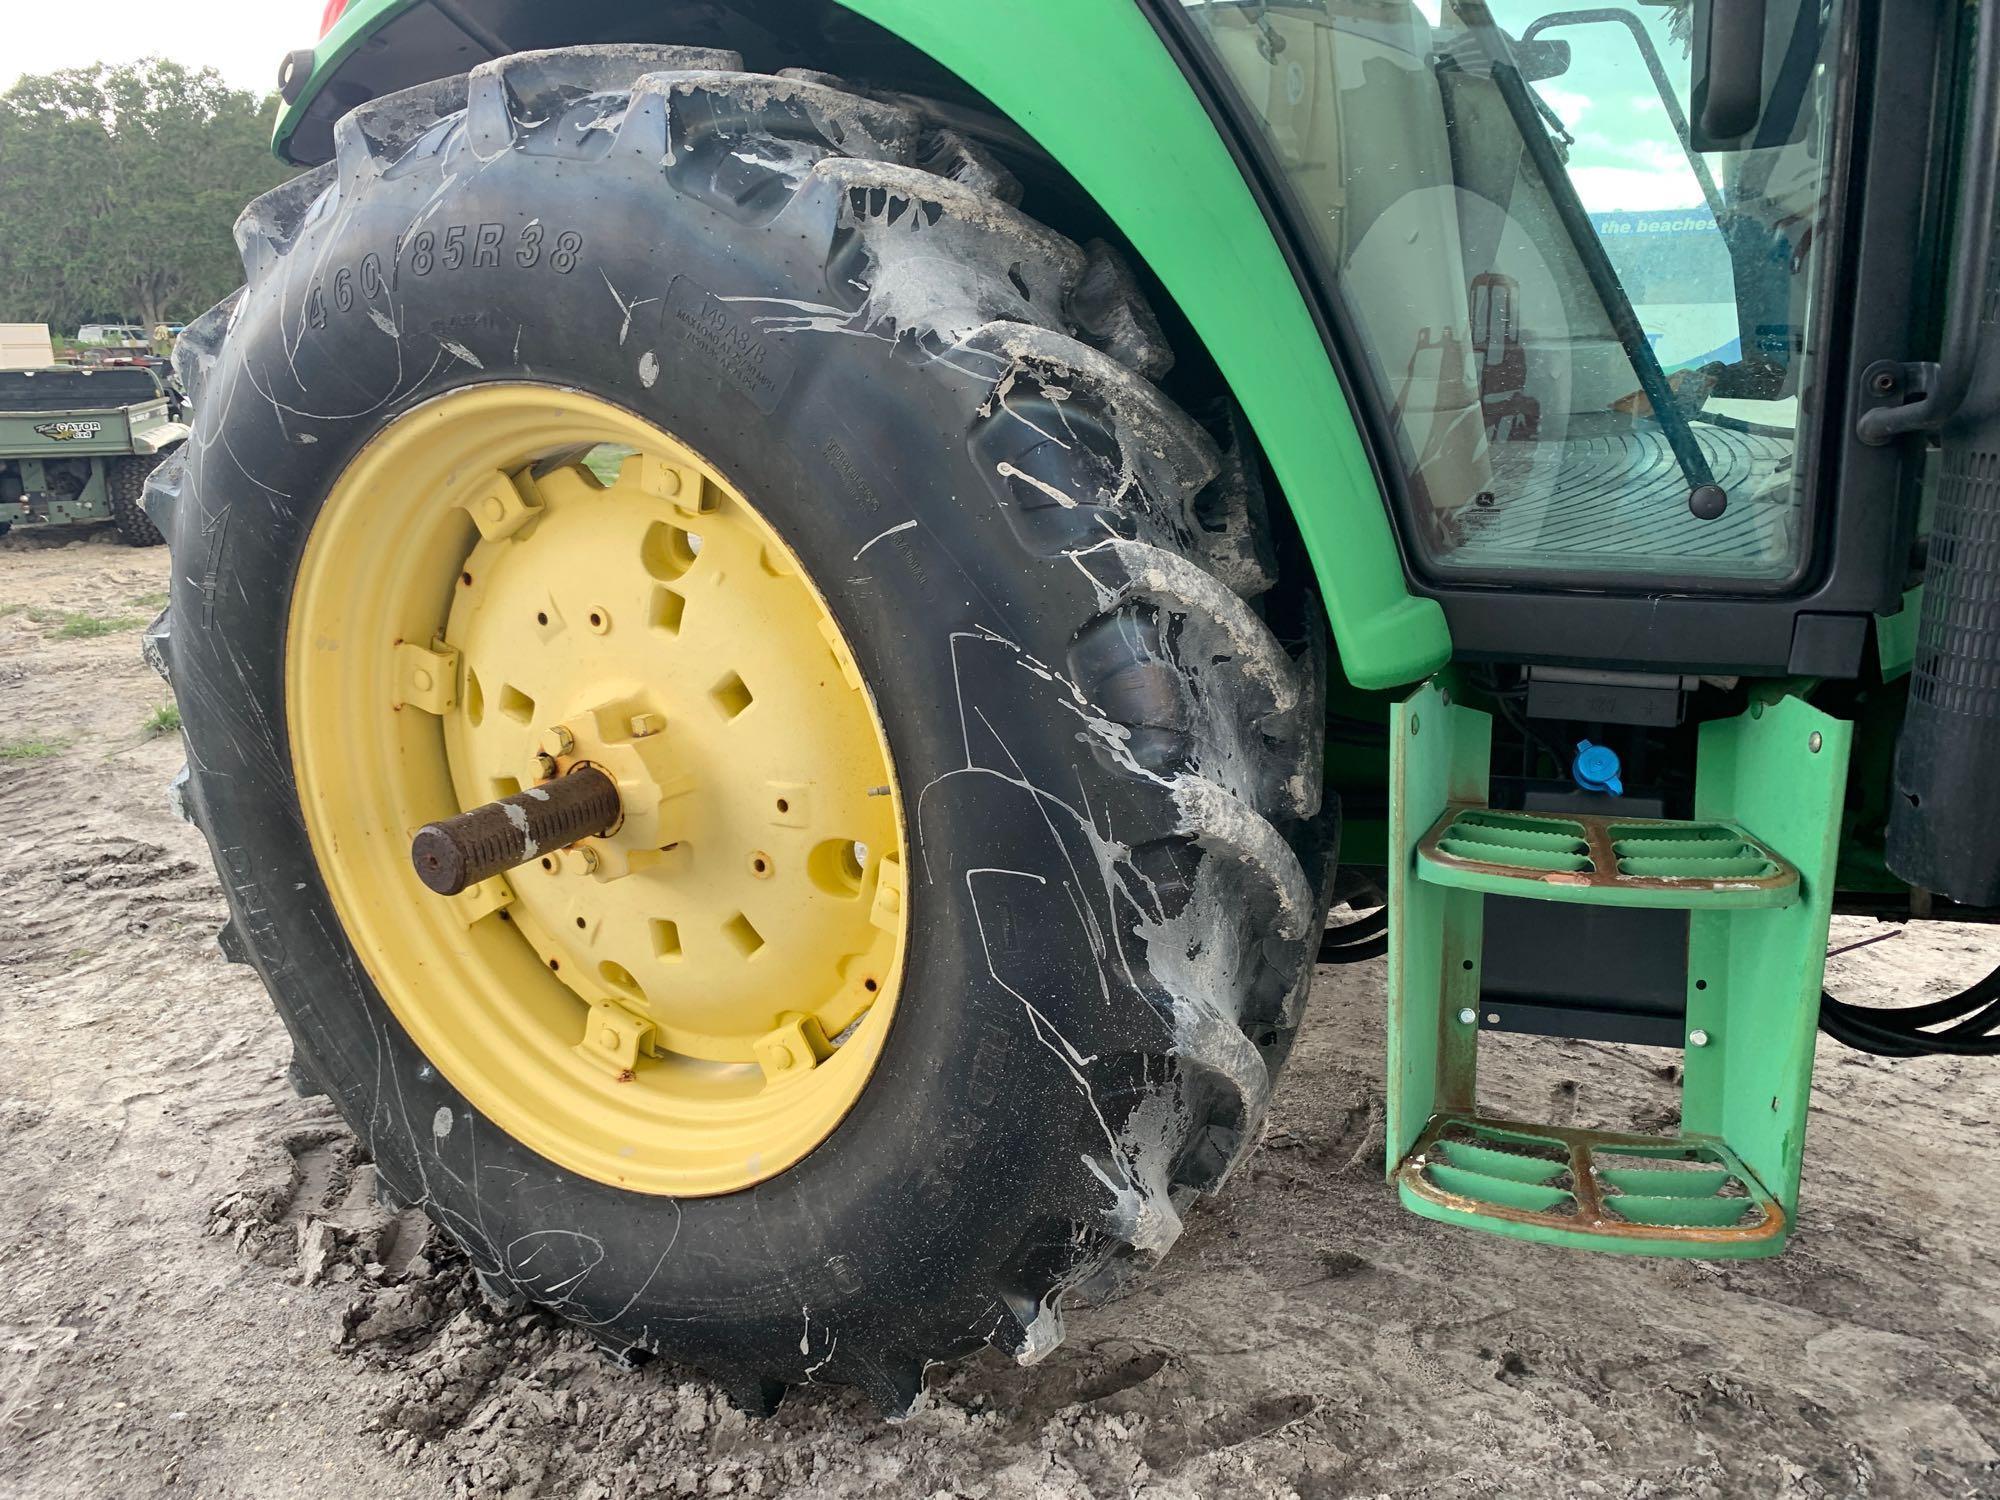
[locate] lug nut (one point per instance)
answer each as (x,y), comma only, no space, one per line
(559,741)
(545,763)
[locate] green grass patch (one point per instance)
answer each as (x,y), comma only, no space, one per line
(162,720)
(84,627)
(81,625)
(152,601)
(32,749)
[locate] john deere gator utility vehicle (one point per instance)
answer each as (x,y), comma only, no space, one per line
(77,444)
(777,603)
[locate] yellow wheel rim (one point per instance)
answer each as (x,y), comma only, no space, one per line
(692,1002)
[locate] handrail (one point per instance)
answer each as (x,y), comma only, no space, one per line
(1651,56)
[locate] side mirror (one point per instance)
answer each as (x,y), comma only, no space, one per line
(1752,72)
(1538,59)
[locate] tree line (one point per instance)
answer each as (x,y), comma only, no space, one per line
(118,187)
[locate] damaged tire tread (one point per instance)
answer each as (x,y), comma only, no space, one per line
(1172,678)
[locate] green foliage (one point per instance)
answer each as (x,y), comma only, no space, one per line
(162,719)
(81,627)
(73,625)
(605,460)
(155,600)
(118,187)
(32,749)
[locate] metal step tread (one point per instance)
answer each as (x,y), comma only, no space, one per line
(1604,861)
(1604,1190)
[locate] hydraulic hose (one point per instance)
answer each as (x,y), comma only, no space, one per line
(1357,941)
(1897,1031)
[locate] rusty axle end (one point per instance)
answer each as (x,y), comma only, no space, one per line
(456,853)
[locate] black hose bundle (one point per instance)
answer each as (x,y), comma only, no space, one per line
(1357,941)
(1898,1031)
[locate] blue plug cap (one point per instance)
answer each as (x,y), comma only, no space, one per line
(1596,768)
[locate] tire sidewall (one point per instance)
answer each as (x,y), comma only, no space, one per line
(979,1134)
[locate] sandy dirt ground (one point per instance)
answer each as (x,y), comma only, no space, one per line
(199,1295)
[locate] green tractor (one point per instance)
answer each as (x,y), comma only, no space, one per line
(78,444)
(791,615)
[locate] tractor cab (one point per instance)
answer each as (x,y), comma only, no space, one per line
(1593,277)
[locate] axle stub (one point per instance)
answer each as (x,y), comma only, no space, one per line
(455,853)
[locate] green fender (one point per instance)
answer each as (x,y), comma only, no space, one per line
(1093,83)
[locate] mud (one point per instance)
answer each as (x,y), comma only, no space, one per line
(200,1294)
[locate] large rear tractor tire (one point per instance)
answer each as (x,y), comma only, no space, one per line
(736,435)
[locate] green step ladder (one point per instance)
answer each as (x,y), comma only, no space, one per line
(1753,869)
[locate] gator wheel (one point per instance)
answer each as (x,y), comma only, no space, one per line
(126,483)
(732,433)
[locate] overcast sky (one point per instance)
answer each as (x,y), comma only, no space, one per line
(242,40)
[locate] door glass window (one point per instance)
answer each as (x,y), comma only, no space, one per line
(1590,324)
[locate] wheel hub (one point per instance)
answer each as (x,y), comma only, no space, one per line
(688,1000)
(649,629)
